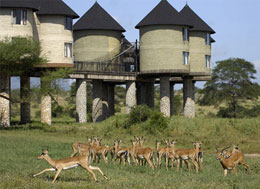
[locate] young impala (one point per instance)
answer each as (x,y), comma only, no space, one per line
(67,163)
(231,162)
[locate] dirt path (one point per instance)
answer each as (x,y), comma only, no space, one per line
(253,155)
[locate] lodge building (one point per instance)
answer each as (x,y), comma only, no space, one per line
(174,47)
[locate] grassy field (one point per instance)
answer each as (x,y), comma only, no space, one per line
(20,146)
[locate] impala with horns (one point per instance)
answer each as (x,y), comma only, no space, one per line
(231,162)
(67,163)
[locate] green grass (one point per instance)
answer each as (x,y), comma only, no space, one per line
(19,148)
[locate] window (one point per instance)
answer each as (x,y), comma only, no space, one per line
(68,50)
(185,58)
(68,23)
(207,61)
(19,16)
(207,39)
(185,34)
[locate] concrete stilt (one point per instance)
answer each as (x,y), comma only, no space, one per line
(149,94)
(172,97)
(25,99)
(97,104)
(81,100)
(188,98)
(5,104)
(130,95)
(165,96)
(45,106)
(105,105)
(111,99)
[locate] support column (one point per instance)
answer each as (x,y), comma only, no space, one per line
(111,99)
(149,93)
(25,109)
(97,104)
(105,105)
(165,96)
(188,98)
(81,100)
(130,95)
(45,106)
(172,97)
(5,104)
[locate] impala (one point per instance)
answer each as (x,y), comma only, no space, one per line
(77,146)
(231,162)
(98,150)
(67,163)
(186,154)
(121,152)
(143,153)
(160,152)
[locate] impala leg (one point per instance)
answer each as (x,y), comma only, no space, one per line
(247,167)
(128,159)
(225,172)
(235,171)
(178,164)
(89,170)
(166,162)
(45,170)
(99,170)
(196,165)
(104,157)
(57,174)
(149,162)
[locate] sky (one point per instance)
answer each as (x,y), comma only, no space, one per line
(236,22)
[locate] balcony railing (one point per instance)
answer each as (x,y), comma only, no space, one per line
(101,67)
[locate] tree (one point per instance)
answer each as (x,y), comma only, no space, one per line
(232,83)
(19,55)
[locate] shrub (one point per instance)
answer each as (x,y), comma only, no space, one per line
(156,123)
(137,115)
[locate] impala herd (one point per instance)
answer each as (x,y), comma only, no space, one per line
(140,155)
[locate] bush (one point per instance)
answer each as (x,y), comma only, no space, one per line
(137,115)
(156,123)
(242,112)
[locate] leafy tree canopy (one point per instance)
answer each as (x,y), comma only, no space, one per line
(232,82)
(19,55)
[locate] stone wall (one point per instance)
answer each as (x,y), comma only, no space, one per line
(81,100)
(165,96)
(166,42)
(5,107)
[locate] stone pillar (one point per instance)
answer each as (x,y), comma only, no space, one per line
(149,93)
(188,98)
(105,105)
(165,96)
(81,100)
(172,97)
(97,104)
(111,99)
(25,99)
(130,95)
(45,106)
(5,104)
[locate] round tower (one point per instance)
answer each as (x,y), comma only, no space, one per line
(200,43)
(55,32)
(17,18)
(97,36)
(164,42)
